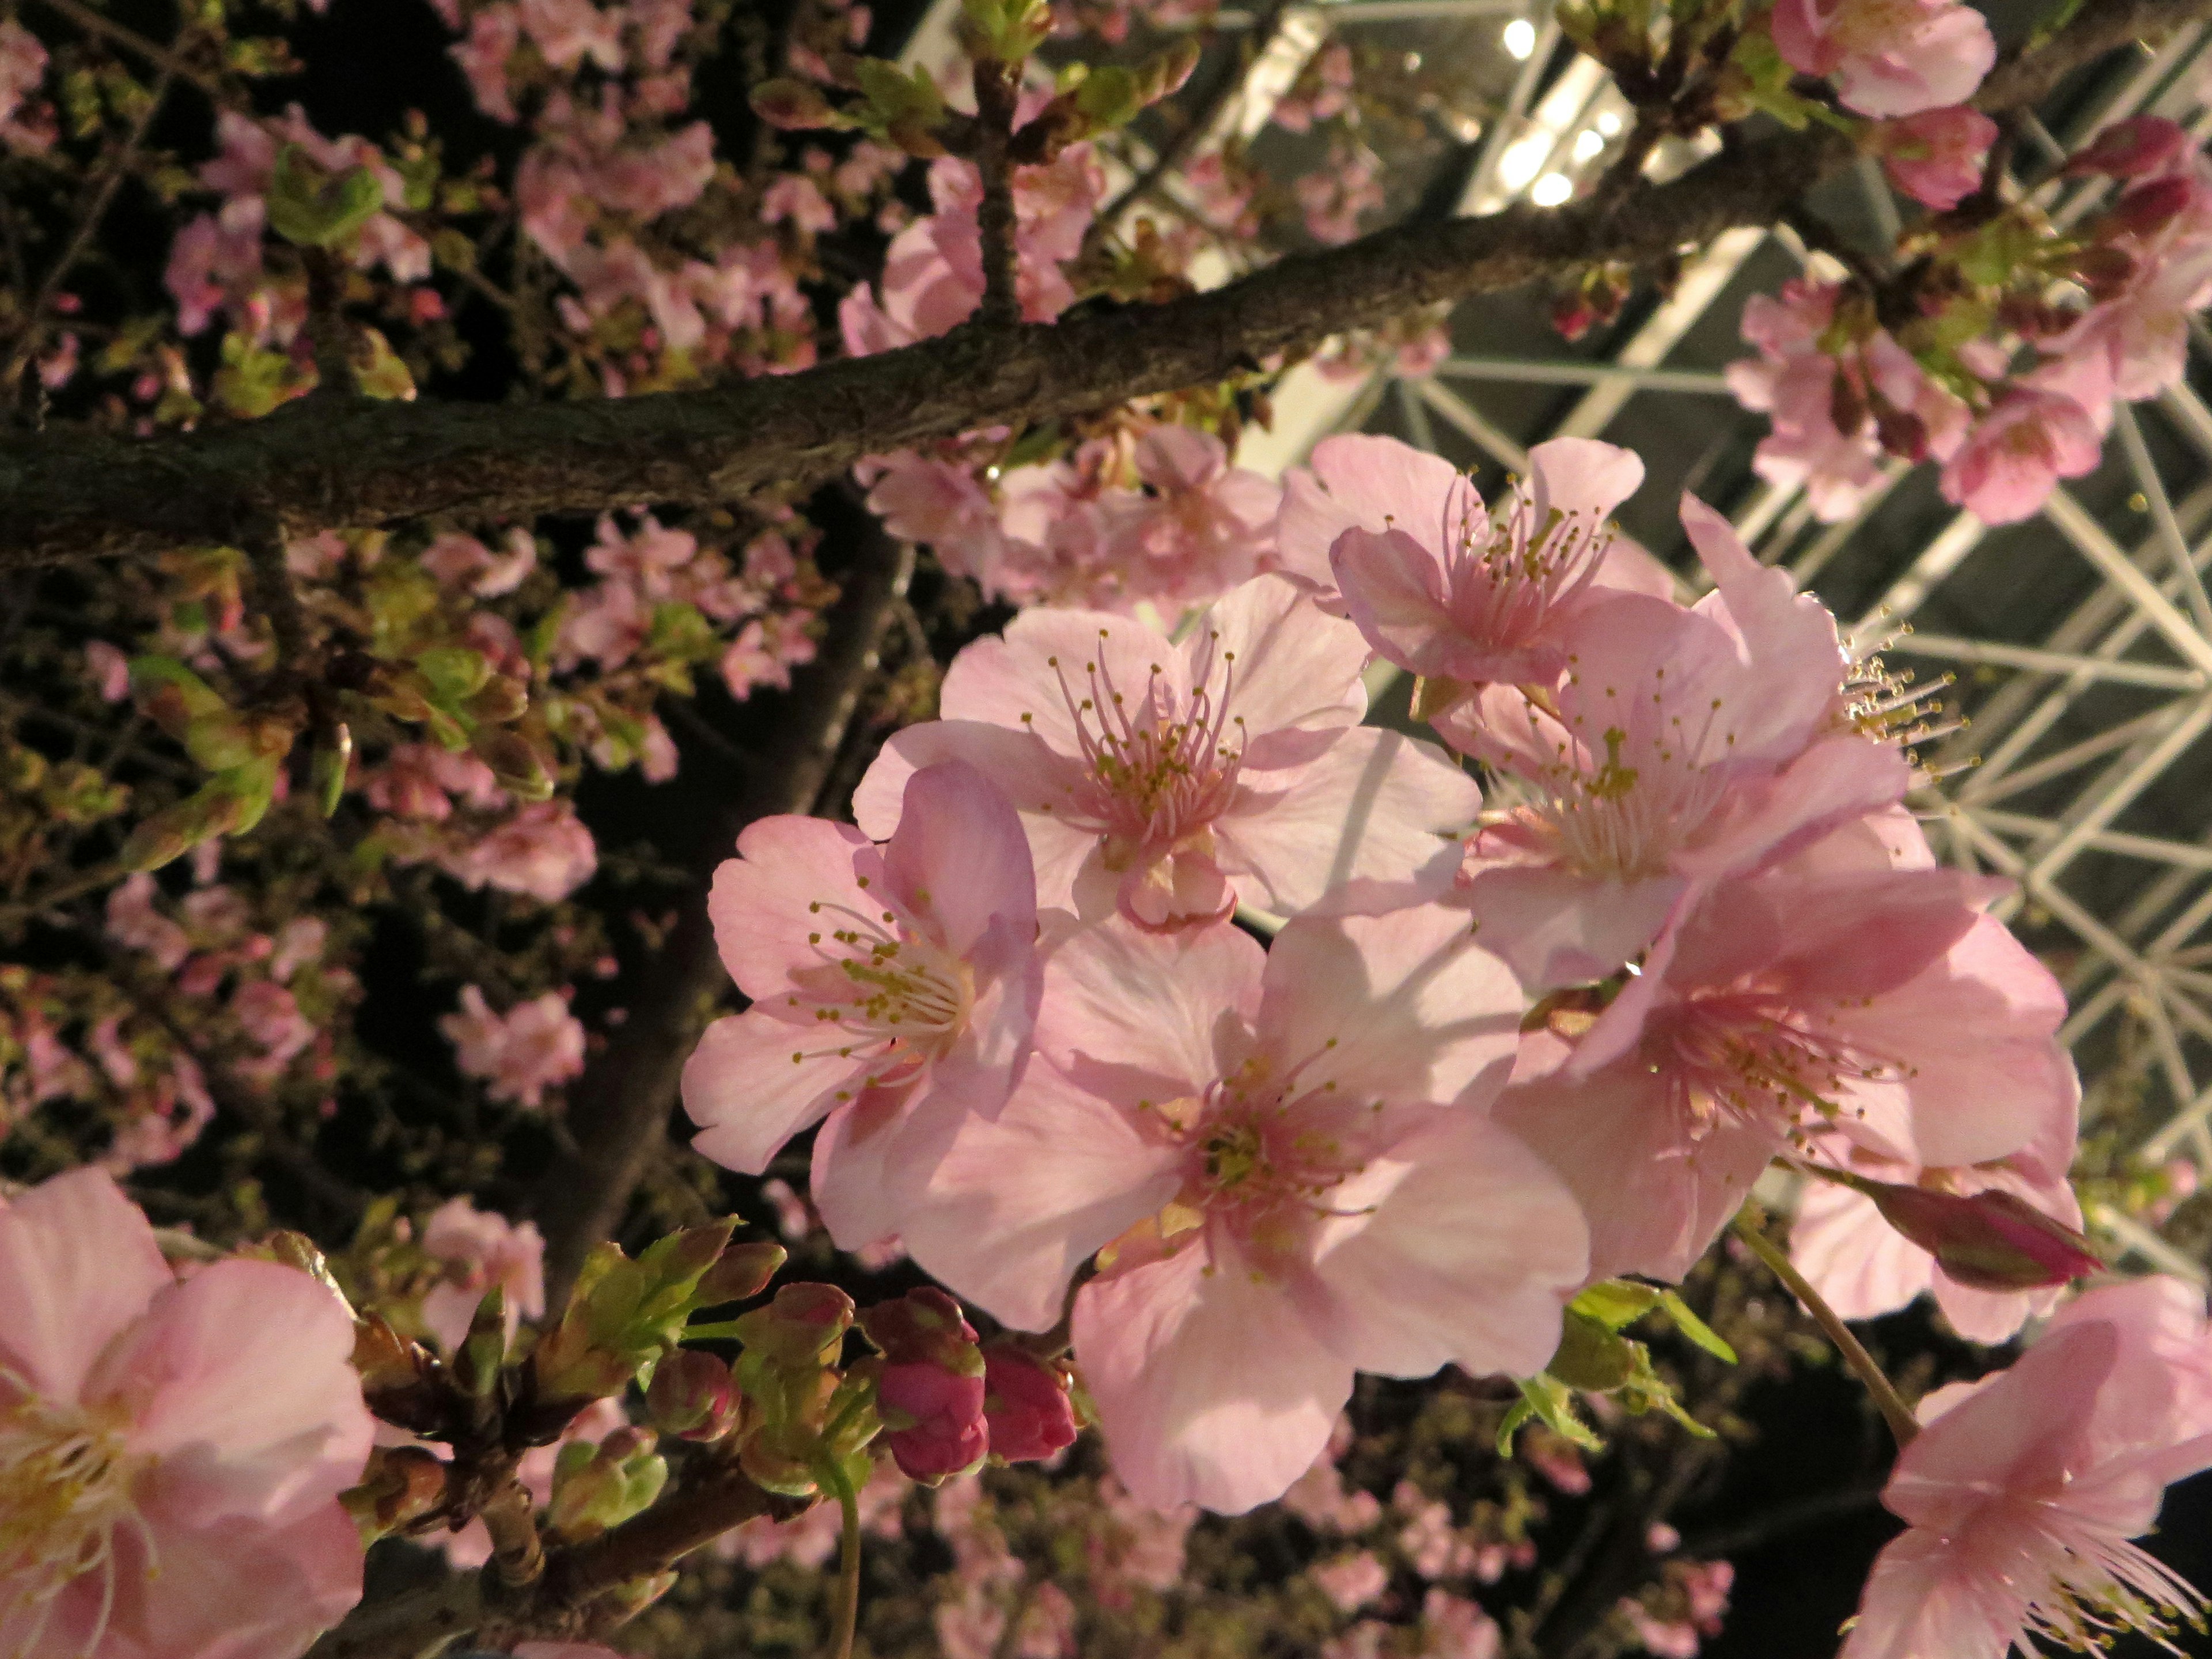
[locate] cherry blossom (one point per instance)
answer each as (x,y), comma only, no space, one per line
(1887,57)
(543,851)
(1682,745)
(171,1454)
(894,991)
(535,1046)
(1281,1153)
(1170,782)
(1208,522)
(24,125)
(2023,1489)
(1936,157)
(1834,989)
(1452,596)
(2017,453)
(480,1251)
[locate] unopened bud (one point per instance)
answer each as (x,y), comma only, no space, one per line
(2125,150)
(483,1351)
(693,1396)
(802,1327)
(401,1485)
(596,1488)
(933,1418)
(2149,208)
(924,1327)
(1027,1404)
(1992,1241)
(792,105)
(743,1272)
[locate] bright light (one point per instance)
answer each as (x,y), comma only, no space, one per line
(1520,36)
(1551,190)
(1609,124)
(1522,159)
(1587,144)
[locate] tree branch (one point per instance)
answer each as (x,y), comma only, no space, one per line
(71,495)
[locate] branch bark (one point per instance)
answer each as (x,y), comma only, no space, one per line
(73,495)
(619,1111)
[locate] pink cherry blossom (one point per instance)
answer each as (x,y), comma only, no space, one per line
(2016,455)
(479,1251)
(1887,57)
(535,1046)
(1936,157)
(132,921)
(1208,522)
(2023,1489)
(1833,988)
(1453,1627)
(1451,595)
(1169,781)
(1352,1581)
(420,780)
(1683,744)
(1281,1153)
(544,850)
(894,991)
(171,1454)
(459,560)
(23,126)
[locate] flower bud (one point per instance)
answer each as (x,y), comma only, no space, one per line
(1992,1241)
(2149,208)
(402,1484)
(2147,143)
(792,105)
(801,1328)
(597,1488)
(743,1272)
(924,1327)
(933,1418)
(693,1396)
(1026,1404)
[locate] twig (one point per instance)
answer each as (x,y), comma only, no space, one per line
(997,89)
(261,538)
(1902,1424)
(130,40)
(326,324)
(518,1554)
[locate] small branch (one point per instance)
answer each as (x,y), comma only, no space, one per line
(1902,1424)
(518,1554)
(262,540)
(131,41)
(997,89)
(326,324)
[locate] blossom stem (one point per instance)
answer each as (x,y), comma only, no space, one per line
(1895,1411)
(849,1555)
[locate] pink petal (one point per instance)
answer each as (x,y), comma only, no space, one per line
(1360,829)
(78,1263)
(748,1094)
(1860,1264)
(767,900)
(959,856)
(1150,1006)
(1555,926)
(1580,478)
(240,1381)
(1395,592)
(1291,678)
(1019,1203)
(1402,1007)
(1360,481)
(1041,669)
(1167,1352)
(1473,1247)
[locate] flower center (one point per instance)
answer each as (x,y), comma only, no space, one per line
(1506,578)
(65,1487)
(1161,770)
(894,993)
(1748,1053)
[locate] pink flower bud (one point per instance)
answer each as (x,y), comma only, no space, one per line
(692,1396)
(1026,1404)
(924,1327)
(2148,144)
(934,1419)
(2149,208)
(742,1274)
(803,1324)
(1992,1241)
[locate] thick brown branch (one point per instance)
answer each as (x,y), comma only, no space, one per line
(69,495)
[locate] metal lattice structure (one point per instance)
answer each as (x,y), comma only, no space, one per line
(2080,641)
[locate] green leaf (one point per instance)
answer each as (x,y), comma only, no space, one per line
(1617,1302)
(309,207)
(1551,1402)
(1696,1328)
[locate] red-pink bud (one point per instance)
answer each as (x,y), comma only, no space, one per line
(923,1328)
(1992,1241)
(2125,150)
(932,1419)
(2149,208)
(1026,1403)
